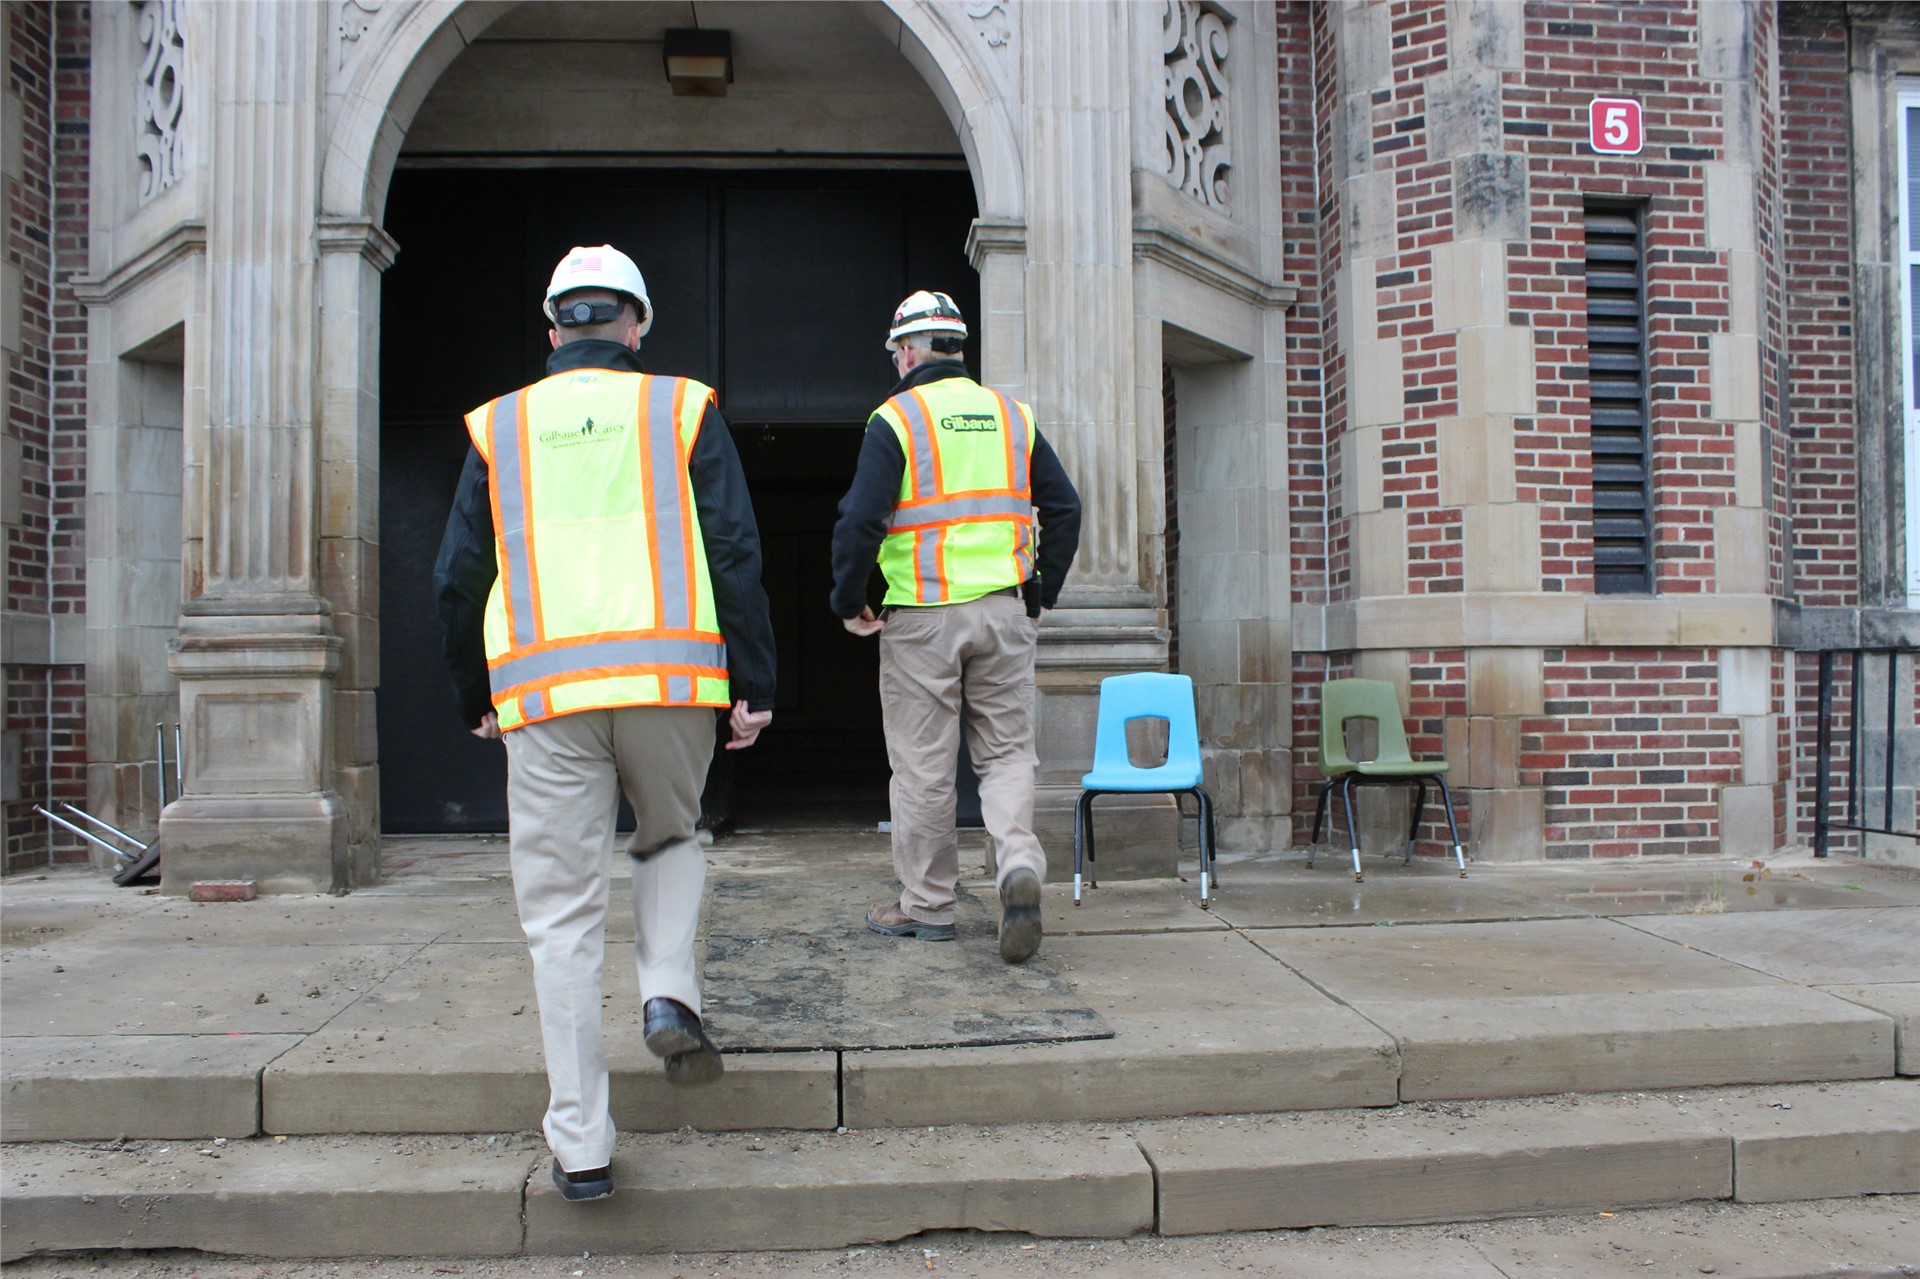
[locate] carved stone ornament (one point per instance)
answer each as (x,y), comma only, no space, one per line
(990,20)
(1194,41)
(159,97)
(357,20)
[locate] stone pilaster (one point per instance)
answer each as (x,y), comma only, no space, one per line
(1748,543)
(1077,84)
(1076,80)
(353,255)
(257,654)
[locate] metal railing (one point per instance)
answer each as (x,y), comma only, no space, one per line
(1858,815)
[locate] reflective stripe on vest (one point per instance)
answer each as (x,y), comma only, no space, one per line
(963,523)
(603,597)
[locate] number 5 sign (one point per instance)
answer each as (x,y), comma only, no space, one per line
(1613,126)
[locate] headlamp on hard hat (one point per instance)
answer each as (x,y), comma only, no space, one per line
(572,315)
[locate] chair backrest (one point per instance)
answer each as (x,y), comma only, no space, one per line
(1149,695)
(1369,699)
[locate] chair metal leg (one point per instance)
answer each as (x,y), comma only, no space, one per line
(1213,842)
(1419,811)
(1093,845)
(1353,828)
(1453,830)
(1206,845)
(1081,838)
(1320,809)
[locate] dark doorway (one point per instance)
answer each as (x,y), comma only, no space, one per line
(775,288)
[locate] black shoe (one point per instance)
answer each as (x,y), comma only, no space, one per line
(1020,917)
(674,1033)
(593,1183)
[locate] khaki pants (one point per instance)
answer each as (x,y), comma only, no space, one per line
(564,776)
(935,661)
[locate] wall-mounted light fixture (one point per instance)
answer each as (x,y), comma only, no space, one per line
(699,62)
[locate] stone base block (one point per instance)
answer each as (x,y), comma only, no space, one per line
(1508,825)
(283,843)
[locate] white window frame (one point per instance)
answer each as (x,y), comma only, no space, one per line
(1909,263)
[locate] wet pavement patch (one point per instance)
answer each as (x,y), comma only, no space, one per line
(791,965)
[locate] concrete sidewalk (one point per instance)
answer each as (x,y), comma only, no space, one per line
(407,1009)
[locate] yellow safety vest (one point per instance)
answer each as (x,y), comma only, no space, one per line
(963,526)
(603,597)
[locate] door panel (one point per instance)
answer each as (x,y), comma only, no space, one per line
(775,288)
(812,276)
(665,223)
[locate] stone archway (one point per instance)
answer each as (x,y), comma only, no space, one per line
(381,82)
(1080,245)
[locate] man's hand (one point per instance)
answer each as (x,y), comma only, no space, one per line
(865,624)
(489,727)
(746,725)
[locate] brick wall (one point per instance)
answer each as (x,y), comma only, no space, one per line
(1323,573)
(1574,53)
(1817,235)
(48,76)
(1823,474)
(1403,288)
(1631,752)
(1302,143)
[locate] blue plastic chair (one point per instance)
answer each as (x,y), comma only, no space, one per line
(1123,699)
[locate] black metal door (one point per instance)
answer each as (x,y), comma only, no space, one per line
(773,287)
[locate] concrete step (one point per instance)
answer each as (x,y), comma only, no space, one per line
(1205,1020)
(1450,1161)
(1417,1162)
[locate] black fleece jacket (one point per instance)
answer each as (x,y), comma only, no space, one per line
(868,507)
(465,570)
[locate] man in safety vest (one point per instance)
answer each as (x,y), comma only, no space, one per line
(599,586)
(944,495)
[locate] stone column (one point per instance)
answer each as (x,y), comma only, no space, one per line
(1078,69)
(1079,274)
(257,654)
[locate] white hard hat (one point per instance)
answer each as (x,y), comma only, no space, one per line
(925,312)
(599,267)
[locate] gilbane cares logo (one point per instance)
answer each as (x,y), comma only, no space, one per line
(970,422)
(588,432)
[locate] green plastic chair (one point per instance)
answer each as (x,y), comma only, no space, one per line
(1345,700)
